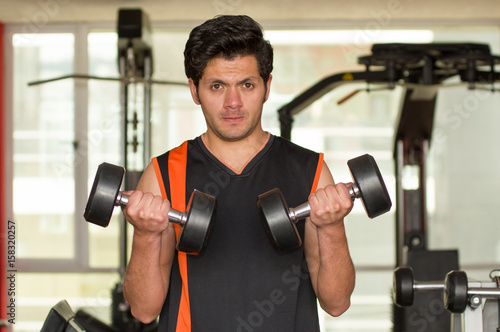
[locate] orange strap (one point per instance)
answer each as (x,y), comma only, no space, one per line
(318,173)
(177,162)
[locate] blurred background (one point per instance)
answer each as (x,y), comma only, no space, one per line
(56,134)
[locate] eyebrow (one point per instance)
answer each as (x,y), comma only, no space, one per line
(220,81)
(250,78)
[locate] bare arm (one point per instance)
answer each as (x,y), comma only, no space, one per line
(153,247)
(327,253)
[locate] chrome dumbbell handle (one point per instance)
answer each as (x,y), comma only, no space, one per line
(427,286)
(173,215)
(121,199)
(300,212)
(304,210)
(354,191)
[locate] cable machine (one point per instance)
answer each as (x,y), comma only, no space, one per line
(420,69)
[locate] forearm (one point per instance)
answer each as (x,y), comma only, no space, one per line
(335,274)
(145,282)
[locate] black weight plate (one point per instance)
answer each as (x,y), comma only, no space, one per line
(366,175)
(455,291)
(279,227)
(195,232)
(102,198)
(402,286)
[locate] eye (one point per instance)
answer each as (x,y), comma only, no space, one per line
(248,85)
(216,86)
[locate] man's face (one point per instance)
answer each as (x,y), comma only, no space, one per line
(231,94)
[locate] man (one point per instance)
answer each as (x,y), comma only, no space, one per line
(239,282)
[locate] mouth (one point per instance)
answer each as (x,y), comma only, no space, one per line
(232,117)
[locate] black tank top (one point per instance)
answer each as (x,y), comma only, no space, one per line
(240,283)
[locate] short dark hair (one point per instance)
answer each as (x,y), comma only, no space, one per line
(227,36)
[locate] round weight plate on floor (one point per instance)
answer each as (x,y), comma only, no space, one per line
(276,220)
(402,286)
(455,291)
(366,175)
(195,232)
(102,198)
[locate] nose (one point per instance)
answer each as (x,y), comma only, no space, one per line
(233,98)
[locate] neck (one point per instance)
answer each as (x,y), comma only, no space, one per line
(235,154)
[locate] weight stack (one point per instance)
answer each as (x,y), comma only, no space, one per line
(427,312)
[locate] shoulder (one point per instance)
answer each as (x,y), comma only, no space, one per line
(157,171)
(298,160)
(186,145)
(287,146)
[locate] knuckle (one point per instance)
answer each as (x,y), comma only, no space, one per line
(166,203)
(142,214)
(131,210)
(148,196)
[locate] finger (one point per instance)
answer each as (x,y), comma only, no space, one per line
(343,191)
(319,200)
(156,203)
(146,199)
(345,199)
(314,199)
(135,197)
(165,207)
(331,192)
(138,202)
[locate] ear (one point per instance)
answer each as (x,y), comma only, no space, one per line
(268,87)
(194,93)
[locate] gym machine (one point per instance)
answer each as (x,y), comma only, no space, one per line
(135,63)
(477,301)
(420,70)
(61,318)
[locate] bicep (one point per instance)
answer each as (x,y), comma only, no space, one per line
(326,177)
(149,183)
(311,245)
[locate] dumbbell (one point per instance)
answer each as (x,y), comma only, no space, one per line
(279,220)
(196,223)
(457,292)
(404,286)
